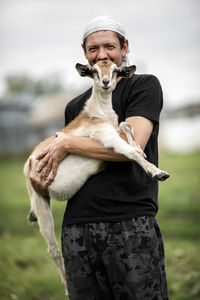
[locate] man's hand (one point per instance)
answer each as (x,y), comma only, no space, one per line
(51,156)
(41,187)
(43,173)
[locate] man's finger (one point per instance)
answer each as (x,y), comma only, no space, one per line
(48,167)
(43,153)
(43,163)
(54,172)
(43,174)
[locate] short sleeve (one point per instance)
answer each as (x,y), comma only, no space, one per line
(145,98)
(67,115)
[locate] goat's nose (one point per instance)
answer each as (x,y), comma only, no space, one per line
(106,82)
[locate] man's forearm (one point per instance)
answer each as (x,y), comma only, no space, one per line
(86,146)
(49,158)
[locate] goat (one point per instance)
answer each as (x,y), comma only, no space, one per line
(98,121)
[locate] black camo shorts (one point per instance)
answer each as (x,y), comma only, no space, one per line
(115,261)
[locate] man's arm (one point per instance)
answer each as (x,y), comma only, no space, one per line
(86,146)
(142,129)
(50,158)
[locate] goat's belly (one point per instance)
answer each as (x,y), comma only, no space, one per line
(72,173)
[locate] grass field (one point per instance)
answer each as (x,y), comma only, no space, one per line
(26,269)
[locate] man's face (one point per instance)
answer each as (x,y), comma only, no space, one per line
(103,45)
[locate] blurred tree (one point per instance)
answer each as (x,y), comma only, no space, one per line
(23,83)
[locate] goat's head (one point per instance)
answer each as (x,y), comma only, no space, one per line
(105,73)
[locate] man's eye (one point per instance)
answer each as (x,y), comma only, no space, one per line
(110,47)
(92,49)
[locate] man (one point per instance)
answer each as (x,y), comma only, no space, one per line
(111,243)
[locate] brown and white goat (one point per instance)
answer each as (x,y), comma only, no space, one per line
(98,121)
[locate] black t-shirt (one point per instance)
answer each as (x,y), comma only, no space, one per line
(122,190)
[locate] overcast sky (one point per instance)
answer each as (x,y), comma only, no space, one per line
(41,37)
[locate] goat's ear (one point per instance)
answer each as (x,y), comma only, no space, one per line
(84,70)
(126,71)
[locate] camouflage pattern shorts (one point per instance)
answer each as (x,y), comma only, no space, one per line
(115,261)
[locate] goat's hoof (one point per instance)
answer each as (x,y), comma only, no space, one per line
(32,217)
(162,176)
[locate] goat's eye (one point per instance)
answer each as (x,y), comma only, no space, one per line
(94,71)
(115,71)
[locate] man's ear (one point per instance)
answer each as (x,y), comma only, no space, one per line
(84,70)
(126,71)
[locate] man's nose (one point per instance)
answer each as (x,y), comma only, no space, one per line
(102,54)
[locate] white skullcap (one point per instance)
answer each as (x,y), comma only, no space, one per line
(103,23)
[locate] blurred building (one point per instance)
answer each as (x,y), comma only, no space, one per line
(26,121)
(180,129)
(15,133)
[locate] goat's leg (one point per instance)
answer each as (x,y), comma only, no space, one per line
(45,220)
(125,128)
(112,140)
(31,217)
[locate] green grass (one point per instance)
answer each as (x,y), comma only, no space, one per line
(26,269)
(179,220)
